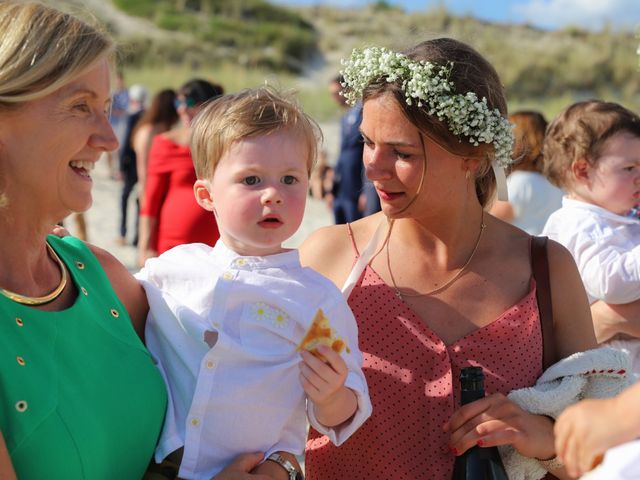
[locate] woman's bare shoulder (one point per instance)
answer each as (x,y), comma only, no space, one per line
(330,250)
(126,287)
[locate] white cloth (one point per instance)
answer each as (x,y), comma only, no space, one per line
(606,248)
(533,198)
(597,373)
(243,394)
(620,463)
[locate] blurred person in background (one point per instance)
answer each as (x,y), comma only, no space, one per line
(118,119)
(532,198)
(160,117)
(348,171)
(127,160)
(169,214)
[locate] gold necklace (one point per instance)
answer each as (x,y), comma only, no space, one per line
(400,294)
(24,300)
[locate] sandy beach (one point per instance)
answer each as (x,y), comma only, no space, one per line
(103,218)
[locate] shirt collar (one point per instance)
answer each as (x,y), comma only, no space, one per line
(601,212)
(229,258)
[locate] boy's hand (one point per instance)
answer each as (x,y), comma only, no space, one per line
(322,381)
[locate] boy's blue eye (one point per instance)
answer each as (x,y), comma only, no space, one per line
(251,180)
(289,179)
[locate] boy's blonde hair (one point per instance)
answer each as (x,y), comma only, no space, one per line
(580,132)
(249,113)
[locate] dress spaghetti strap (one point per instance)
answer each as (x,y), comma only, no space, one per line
(362,261)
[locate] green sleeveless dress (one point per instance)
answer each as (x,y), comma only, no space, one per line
(80,397)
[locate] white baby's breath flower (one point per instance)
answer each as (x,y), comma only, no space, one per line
(427,85)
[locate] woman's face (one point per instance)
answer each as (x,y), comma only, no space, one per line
(187,109)
(394,160)
(48,147)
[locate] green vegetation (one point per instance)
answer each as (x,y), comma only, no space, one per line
(241,43)
(255,32)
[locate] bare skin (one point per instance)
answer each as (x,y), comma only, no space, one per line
(436,226)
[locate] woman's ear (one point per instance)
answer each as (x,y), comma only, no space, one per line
(471,164)
(202,192)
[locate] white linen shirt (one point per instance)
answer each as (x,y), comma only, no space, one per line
(605,246)
(243,393)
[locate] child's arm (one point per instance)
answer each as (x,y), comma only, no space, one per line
(609,273)
(584,431)
(324,385)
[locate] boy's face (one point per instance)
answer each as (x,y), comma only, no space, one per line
(259,190)
(614,181)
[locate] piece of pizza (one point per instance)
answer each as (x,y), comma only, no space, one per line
(321,333)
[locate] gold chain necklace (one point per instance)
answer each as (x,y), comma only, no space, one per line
(400,294)
(24,300)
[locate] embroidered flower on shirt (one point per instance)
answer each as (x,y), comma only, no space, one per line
(267,313)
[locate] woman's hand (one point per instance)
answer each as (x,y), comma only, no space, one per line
(496,420)
(239,469)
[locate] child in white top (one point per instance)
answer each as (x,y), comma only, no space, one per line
(592,152)
(225,321)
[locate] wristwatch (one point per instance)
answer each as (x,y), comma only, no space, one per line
(287,465)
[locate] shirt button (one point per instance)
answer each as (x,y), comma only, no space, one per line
(195,422)
(21,406)
(210,364)
(227,275)
(20,361)
(241,262)
(19,322)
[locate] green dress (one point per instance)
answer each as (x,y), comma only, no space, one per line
(80,397)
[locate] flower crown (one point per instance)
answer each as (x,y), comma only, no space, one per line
(429,84)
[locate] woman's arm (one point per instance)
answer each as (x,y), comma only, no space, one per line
(147,233)
(573,326)
(610,320)
(126,287)
(155,192)
(6,467)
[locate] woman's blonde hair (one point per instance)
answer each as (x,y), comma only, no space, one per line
(43,49)
(249,113)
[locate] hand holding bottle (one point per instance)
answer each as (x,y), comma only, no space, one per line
(496,420)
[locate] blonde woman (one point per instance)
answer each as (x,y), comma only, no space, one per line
(80,396)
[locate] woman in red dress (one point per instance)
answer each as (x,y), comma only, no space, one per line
(169,214)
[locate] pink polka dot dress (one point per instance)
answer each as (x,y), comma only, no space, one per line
(412,377)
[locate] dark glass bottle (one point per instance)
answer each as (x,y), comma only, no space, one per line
(477,463)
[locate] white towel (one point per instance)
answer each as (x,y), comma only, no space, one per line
(597,373)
